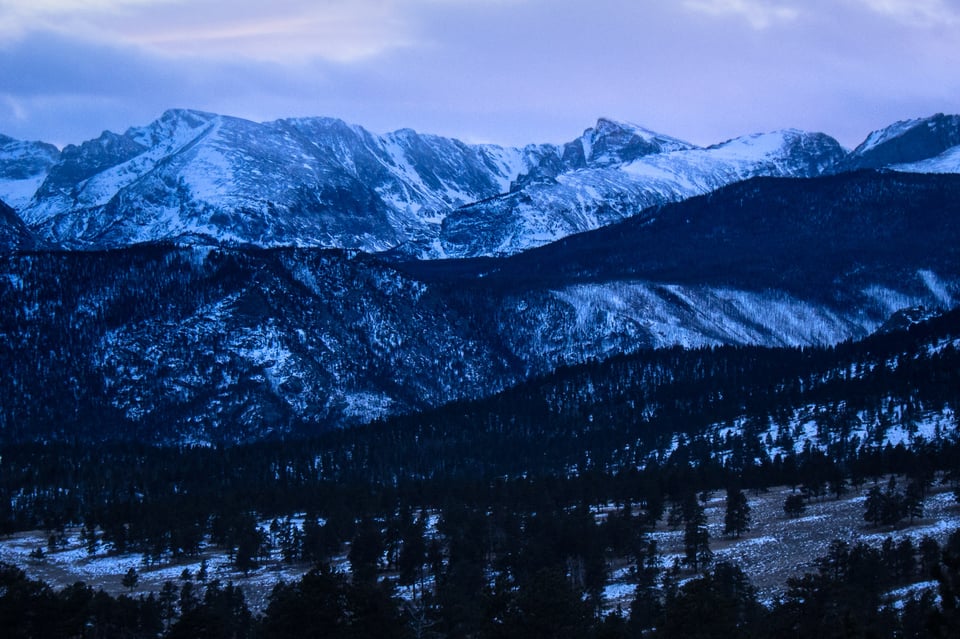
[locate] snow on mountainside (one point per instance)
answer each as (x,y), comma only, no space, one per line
(209,344)
(907,142)
(23,167)
(200,177)
(315,182)
(946,162)
(604,192)
(322,182)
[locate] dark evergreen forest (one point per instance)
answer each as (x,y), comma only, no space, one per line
(515,482)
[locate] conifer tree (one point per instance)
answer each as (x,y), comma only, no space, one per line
(794,505)
(130,579)
(696,537)
(737,518)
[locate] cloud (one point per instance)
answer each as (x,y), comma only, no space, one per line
(19,17)
(338,30)
(918,13)
(342,31)
(760,14)
(509,71)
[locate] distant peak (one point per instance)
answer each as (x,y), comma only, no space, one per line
(190,116)
(608,126)
(908,141)
(779,136)
(611,142)
(902,127)
(174,120)
(314,120)
(323,125)
(171,124)
(405,132)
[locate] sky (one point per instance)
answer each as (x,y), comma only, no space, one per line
(510,72)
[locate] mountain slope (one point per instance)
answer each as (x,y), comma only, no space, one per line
(315,182)
(802,236)
(193,176)
(14,234)
(946,162)
(588,194)
(198,344)
(906,142)
(23,167)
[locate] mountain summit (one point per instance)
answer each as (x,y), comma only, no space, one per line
(195,177)
(23,167)
(907,141)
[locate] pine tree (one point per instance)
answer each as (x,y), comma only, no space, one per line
(794,505)
(365,551)
(873,507)
(413,550)
(168,603)
(913,500)
(130,579)
(737,518)
(696,537)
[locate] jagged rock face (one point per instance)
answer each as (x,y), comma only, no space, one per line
(311,182)
(550,207)
(14,234)
(198,177)
(612,143)
(79,163)
(321,182)
(23,167)
(907,142)
(215,344)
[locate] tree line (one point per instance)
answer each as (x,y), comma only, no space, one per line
(848,594)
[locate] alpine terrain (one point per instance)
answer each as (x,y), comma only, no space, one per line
(296,378)
(206,278)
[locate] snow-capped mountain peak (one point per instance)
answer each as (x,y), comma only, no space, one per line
(23,167)
(582,196)
(881,136)
(611,142)
(752,145)
(794,152)
(173,124)
(324,182)
(907,141)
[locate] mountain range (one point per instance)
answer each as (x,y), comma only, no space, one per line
(193,177)
(208,279)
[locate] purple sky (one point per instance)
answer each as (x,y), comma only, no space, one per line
(505,71)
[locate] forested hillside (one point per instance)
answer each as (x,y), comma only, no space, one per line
(508,516)
(600,437)
(181,344)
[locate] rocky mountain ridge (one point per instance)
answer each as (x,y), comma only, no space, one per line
(198,177)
